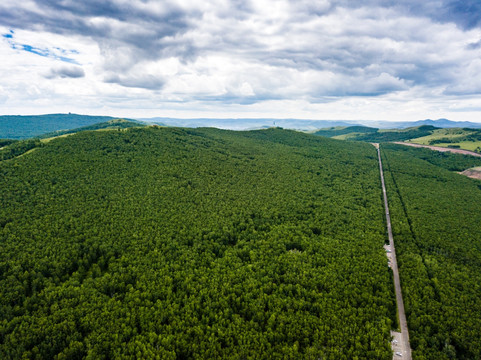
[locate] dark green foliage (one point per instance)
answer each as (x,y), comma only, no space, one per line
(111,124)
(446,160)
(330,132)
(194,244)
(5,142)
(436,217)
(18,148)
(443,141)
(23,127)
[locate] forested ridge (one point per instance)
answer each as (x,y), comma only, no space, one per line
(27,126)
(436,217)
(113,124)
(194,244)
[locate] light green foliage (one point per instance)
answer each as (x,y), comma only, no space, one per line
(362,133)
(436,217)
(464,138)
(337,132)
(200,244)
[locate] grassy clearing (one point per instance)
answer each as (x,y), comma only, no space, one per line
(27,152)
(443,133)
(350,136)
(465,145)
(46,140)
(466,139)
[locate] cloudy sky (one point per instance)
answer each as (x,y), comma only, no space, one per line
(312,59)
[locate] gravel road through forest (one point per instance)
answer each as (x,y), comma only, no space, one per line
(401,346)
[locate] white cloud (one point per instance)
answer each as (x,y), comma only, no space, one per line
(291,58)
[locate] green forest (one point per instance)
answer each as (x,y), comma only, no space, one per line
(436,217)
(169,243)
(14,149)
(172,243)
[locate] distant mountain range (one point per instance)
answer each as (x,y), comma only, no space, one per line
(440,123)
(22,127)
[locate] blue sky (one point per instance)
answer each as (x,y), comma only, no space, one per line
(326,59)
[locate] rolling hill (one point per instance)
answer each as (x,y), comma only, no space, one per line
(463,138)
(13,148)
(193,244)
(204,243)
(339,131)
(23,127)
(114,124)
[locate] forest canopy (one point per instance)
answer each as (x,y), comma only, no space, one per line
(436,217)
(172,243)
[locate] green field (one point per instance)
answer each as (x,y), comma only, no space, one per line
(463,138)
(437,134)
(342,131)
(367,134)
(468,139)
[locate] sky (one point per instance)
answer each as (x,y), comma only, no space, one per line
(305,59)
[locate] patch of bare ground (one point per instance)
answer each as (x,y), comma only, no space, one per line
(397,345)
(472,173)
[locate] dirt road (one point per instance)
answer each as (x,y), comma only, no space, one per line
(439,148)
(402,342)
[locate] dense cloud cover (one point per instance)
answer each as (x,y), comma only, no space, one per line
(322,59)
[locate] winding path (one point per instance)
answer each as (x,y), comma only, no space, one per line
(402,345)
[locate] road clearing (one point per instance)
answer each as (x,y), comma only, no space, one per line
(400,343)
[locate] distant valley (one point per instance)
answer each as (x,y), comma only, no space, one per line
(457,138)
